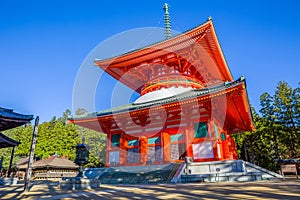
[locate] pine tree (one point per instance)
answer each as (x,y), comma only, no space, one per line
(285,106)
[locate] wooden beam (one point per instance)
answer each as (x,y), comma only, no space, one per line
(10,162)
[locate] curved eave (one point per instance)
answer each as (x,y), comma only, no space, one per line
(179,97)
(238,115)
(225,69)
(9,113)
(6,142)
(113,61)
(10,119)
(176,43)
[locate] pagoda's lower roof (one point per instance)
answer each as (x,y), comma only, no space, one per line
(180,97)
(10,119)
(237,111)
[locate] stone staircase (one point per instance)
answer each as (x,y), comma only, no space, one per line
(94,173)
(231,170)
(217,171)
(153,174)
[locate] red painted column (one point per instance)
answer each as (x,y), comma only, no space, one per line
(143,149)
(215,150)
(214,141)
(225,147)
(123,149)
(189,134)
(220,143)
(233,149)
(165,137)
(108,146)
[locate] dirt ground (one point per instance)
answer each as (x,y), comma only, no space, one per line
(288,189)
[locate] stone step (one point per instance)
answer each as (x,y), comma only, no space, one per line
(230,170)
(231,177)
(139,174)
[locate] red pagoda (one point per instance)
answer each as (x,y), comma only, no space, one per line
(189,103)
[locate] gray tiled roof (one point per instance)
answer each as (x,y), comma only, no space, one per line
(180,97)
(10,119)
(51,162)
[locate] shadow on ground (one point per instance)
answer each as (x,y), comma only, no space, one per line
(288,189)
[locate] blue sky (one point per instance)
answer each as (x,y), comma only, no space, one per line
(43,44)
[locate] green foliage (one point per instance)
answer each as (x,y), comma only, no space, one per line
(277,129)
(22,134)
(96,145)
(56,136)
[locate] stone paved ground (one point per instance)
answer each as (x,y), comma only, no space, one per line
(246,190)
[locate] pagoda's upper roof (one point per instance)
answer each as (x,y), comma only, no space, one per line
(201,39)
(10,119)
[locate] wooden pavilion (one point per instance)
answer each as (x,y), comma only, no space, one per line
(189,107)
(8,120)
(53,167)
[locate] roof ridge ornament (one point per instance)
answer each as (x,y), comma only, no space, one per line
(168,33)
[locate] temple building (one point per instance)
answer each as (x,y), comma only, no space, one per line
(51,168)
(189,104)
(8,120)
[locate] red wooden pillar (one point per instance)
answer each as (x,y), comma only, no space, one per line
(189,132)
(234,150)
(108,146)
(166,146)
(215,139)
(123,149)
(221,141)
(143,149)
(225,147)
(215,150)
(189,135)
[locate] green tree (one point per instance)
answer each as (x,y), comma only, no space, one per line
(285,103)
(22,134)
(57,136)
(276,132)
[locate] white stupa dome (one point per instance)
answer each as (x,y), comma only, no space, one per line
(161,94)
